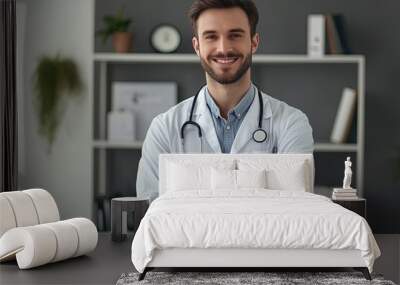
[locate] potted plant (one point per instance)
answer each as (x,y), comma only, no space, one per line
(117,27)
(54,77)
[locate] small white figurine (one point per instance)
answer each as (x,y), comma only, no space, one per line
(347,174)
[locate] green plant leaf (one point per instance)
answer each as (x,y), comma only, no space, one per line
(114,23)
(53,77)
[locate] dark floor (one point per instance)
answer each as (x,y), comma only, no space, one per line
(110,260)
(102,266)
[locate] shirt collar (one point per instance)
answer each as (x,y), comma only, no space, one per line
(238,110)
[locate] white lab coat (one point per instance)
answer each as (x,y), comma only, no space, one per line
(288,130)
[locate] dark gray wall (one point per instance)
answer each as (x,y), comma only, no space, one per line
(373,30)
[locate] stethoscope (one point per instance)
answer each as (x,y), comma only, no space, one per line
(259,135)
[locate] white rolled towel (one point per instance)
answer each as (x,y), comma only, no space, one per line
(33,246)
(26,208)
(87,235)
(7,219)
(67,240)
(45,206)
(23,209)
(40,244)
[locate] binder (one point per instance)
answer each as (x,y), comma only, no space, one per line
(344,116)
(316,35)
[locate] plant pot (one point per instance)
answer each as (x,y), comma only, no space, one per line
(122,42)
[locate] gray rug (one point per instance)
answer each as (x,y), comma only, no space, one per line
(229,278)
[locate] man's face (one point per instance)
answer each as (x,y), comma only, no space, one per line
(224,44)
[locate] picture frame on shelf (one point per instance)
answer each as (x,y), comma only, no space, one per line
(145,99)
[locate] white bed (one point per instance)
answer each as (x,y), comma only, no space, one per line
(201,219)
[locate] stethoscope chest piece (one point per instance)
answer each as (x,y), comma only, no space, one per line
(260,135)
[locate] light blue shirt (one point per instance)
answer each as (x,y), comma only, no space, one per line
(227,129)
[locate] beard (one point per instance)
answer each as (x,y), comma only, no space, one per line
(227,78)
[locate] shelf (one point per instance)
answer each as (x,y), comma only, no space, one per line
(192,58)
(335,147)
(320,147)
(117,144)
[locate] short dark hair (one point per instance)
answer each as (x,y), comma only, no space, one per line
(248,6)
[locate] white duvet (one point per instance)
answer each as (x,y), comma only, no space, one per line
(253,218)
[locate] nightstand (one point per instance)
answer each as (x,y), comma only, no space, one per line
(357,205)
(120,207)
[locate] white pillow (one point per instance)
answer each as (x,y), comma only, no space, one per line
(187,178)
(251,178)
(288,179)
(184,175)
(282,174)
(225,179)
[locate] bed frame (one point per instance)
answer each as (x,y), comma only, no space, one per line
(259,259)
(248,259)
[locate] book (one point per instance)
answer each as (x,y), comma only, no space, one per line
(345,198)
(334,45)
(316,35)
(339,23)
(344,116)
(341,190)
(345,194)
(335,35)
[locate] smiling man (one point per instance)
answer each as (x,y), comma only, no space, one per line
(229,114)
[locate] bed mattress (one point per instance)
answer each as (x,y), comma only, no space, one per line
(250,219)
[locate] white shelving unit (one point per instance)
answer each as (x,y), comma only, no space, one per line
(117,144)
(321,147)
(104,59)
(192,58)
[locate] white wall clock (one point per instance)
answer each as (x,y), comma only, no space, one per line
(165,38)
